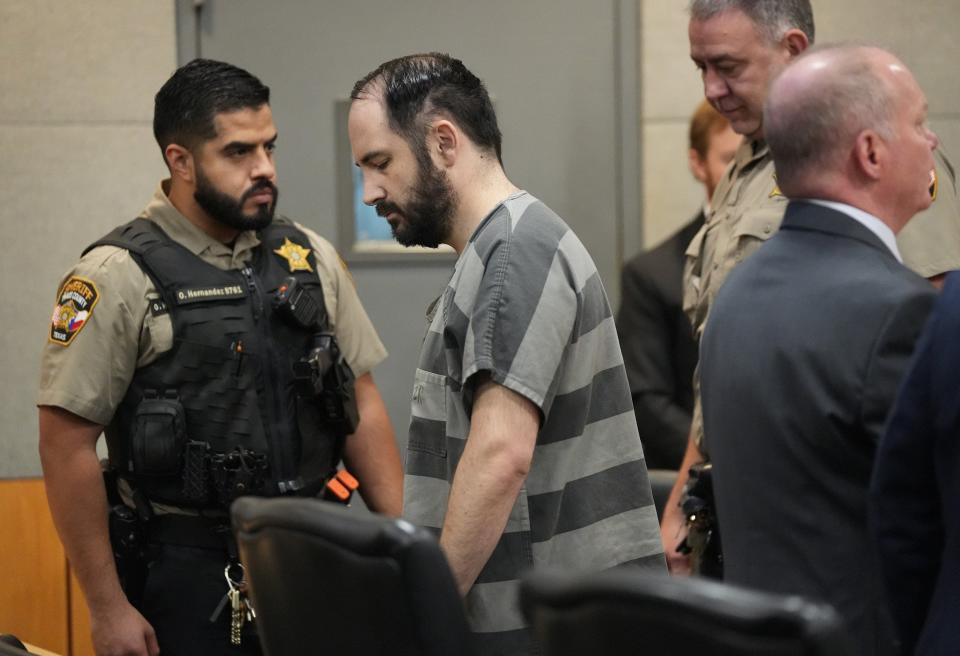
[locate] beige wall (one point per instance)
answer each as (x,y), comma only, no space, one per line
(670,85)
(78,157)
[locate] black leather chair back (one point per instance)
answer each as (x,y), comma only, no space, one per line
(326,580)
(623,612)
(10,645)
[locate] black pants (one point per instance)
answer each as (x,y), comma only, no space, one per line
(182,589)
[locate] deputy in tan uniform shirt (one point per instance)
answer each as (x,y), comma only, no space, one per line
(90,376)
(739,50)
(221,417)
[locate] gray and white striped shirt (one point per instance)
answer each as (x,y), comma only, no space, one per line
(525,305)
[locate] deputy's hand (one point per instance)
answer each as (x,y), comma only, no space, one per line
(673,530)
(122,631)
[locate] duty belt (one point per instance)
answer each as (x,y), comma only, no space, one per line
(192,531)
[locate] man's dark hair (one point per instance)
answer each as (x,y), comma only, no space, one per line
(417,88)
(772,17)
(185,106)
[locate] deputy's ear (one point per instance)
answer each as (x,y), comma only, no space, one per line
(794,42)
(180,162)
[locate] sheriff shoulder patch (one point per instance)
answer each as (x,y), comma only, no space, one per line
(295,255)
(75,303)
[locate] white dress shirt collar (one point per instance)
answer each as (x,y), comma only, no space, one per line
(867,220)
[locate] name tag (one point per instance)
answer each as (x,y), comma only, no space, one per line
(158,307)
(188,295)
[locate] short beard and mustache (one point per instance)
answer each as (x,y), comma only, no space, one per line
(229,210)
(426,218)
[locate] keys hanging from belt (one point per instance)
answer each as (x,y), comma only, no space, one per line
(241,610)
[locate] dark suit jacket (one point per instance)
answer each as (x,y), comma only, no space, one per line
(915,492)
(803,351)
(659,351)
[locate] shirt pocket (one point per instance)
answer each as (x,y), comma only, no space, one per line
(428,414)
(754,228)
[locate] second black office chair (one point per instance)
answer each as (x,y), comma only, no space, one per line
(326,580)
(620,612)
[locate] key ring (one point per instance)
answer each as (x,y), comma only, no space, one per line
(238,584)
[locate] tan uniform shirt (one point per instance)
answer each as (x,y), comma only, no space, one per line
(89,375)
(930,242)
(748,209)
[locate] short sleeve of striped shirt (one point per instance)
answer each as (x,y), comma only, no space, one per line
(525,304)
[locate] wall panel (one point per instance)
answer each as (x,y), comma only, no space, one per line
(33,594)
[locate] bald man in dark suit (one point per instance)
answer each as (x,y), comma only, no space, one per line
(808,339)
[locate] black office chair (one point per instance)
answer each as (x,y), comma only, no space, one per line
(10,645)
(325,580)
(628,612)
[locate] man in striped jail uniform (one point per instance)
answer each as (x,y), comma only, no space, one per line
(523,449)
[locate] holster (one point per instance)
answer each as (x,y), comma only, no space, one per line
(703,533)
(126,527)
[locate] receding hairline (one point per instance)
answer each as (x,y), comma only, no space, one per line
(374,89)
(770,31)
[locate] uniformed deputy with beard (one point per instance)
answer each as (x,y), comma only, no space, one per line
(197,337)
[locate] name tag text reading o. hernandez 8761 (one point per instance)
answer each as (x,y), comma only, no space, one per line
(187,295)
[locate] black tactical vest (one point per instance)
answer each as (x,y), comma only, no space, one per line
(221,414)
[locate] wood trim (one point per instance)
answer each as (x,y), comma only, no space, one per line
(33,595)
(81,643)
(38,651)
